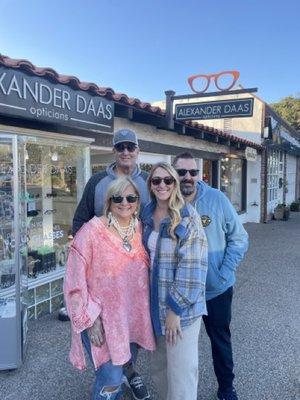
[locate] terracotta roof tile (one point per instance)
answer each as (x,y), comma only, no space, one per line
(110,93)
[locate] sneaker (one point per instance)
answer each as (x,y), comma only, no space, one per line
(63,314)
(138,389)
(229,394)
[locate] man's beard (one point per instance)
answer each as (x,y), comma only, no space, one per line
(187,190)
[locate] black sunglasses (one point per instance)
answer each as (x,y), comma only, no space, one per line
(120,147)
(131,198)
(183,172)
(168,180)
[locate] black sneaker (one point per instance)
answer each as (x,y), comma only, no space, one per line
(229,394)
(137,386)
(63,314)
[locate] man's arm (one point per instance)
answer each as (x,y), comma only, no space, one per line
(236,238)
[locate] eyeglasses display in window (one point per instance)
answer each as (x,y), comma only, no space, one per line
(231,180)
(54,172)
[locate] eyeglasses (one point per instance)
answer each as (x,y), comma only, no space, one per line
(47,212)
(183,172)
(120,147)
(168,180)
(203,81)
(131,198)
(53,194)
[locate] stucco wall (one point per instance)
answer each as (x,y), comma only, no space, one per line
(291,178)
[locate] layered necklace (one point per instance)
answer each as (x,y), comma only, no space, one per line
(125,232)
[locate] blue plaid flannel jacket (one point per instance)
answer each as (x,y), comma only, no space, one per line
(179,269)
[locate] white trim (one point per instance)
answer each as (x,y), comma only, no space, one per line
(89,122)
(44,134)
(10,106)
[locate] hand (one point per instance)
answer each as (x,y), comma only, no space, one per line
(173,328)
(96,333)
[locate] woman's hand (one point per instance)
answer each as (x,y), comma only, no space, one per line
(173,329)
(96,333)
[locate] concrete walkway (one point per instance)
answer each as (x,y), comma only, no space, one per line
(265,332)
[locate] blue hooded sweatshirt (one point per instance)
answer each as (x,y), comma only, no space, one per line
(226,237)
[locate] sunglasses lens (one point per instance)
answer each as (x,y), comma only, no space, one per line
(156,181)
(131,198)
(181,172)
(117,199)
(194,172)
(131,147)
(169,180)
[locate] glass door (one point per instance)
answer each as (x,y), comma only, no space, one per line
(13,286)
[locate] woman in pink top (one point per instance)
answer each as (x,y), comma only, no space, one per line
(107,290)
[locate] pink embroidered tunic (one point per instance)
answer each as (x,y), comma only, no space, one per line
(102,278)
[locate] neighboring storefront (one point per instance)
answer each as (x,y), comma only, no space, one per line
(55,131)
(254,182)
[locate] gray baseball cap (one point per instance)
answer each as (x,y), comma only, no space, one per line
(125,135)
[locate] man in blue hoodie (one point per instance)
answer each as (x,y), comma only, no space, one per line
(227,244)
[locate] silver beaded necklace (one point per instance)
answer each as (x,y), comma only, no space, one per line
(125,232)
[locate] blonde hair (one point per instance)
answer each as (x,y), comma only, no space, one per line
(176,201)
(117,187)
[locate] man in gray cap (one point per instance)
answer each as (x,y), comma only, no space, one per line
(126,150)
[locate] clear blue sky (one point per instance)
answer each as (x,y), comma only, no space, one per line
(144,47)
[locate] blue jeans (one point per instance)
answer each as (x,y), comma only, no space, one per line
(107,374)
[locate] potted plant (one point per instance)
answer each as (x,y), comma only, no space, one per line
(295,206)
(281,212)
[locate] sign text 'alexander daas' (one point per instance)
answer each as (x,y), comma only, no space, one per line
(27,96)
(215,109)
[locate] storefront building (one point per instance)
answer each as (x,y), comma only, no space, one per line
(54,132)
(270,177)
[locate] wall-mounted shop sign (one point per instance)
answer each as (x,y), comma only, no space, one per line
(215,109)
(33,97)
(250,154)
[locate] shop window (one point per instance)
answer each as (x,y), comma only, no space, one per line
(232,181)
(207,172)
(275,167)
(54,184)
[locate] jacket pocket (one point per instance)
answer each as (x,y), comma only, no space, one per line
(214,280)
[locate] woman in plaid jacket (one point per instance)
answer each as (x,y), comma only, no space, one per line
(176,242)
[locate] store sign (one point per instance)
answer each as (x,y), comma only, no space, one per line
(215,110)
(250,154)
(36,98)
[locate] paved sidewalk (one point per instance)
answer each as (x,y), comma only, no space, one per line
(265,332)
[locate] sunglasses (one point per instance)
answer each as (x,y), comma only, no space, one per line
(183,172)
(120,147)
(168,180)
(131,198)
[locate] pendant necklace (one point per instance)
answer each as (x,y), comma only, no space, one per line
(125,232)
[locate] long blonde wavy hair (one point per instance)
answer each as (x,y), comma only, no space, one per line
(176,201)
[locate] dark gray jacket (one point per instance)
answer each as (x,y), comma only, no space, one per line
(92,201)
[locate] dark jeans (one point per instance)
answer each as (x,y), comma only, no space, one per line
(217,327)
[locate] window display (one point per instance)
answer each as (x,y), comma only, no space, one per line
(7,241)
(55,176)
(231,180)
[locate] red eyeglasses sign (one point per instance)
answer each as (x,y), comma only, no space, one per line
(224,80)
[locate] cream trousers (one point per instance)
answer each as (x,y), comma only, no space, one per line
(174,369)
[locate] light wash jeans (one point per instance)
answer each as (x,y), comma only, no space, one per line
(107,374)
(174,369)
